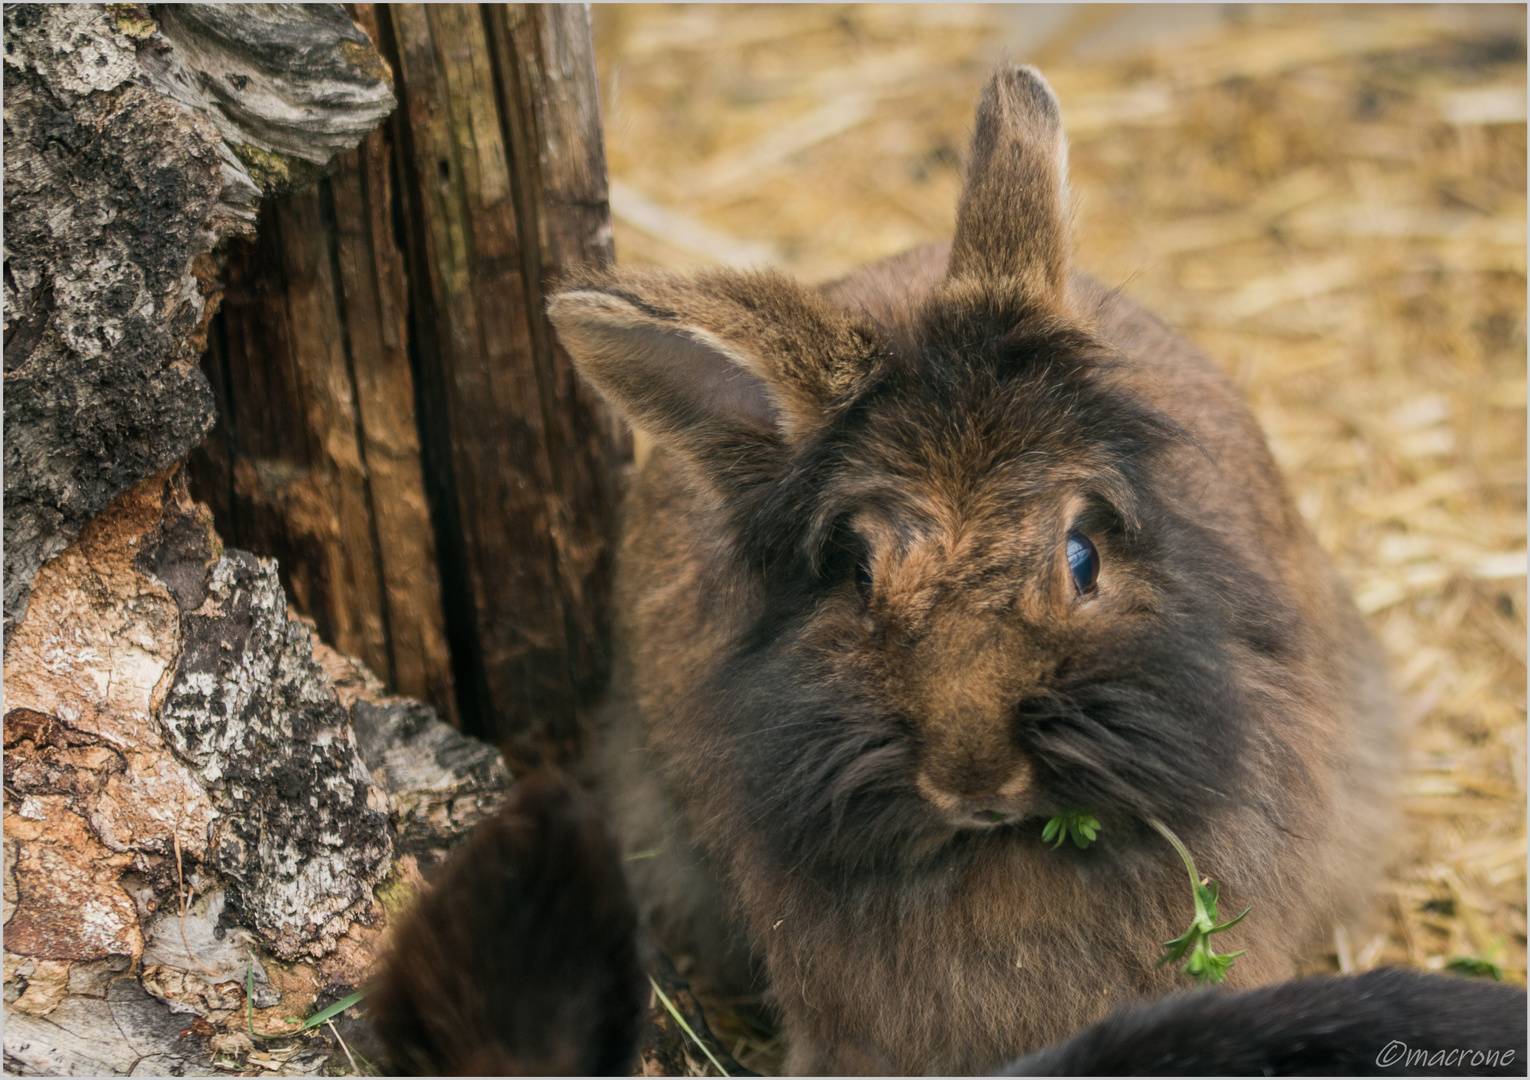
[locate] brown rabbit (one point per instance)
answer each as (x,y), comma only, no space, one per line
(926,557)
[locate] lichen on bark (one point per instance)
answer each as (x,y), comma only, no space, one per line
(121,177)
(174,735)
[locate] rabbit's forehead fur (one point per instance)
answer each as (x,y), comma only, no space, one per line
(968,463)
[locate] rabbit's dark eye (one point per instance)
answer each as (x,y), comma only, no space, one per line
(1083,562)
(863,575)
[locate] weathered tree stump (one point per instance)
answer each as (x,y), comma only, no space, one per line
(399,427)
(210,815)
(188,806)
(132,149)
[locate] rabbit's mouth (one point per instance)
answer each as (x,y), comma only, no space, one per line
(1005,806)
(987,818)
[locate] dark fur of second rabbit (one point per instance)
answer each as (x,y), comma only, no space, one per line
(522,959)
(1388,1022)
(855,674)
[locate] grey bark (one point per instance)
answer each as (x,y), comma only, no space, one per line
(303,837)
(132,149)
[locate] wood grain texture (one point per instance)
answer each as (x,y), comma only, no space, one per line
(353,603)
(298,483)
(520,458)
(376,299)
(403,431)
(548,92)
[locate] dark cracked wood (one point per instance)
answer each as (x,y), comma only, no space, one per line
(418,452)
(488,431)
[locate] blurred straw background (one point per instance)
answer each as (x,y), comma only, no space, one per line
(1331,200)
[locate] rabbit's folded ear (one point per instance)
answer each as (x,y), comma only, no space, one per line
(1012,218)
(704,362)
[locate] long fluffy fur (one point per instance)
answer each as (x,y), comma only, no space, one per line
(1390,1022)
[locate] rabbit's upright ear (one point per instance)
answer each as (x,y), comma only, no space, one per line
(1012,219)
(712,361)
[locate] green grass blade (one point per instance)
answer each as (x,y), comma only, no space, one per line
(326,1013)
(333,1010)
(686,1027)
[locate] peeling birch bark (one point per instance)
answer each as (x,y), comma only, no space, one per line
(173,735)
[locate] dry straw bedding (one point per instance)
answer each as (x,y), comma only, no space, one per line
(1330,200)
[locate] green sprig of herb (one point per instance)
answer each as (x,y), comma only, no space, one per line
(1193,947)
(1079,824)
(1482,966)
